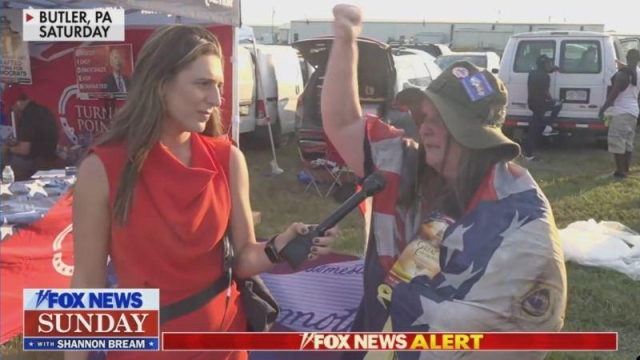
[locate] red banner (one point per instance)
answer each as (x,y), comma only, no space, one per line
(556,341)
(37,256)
(91,323)
(56,82)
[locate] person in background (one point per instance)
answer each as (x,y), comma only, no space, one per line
(540,101)
(5,120)
(624,97)
(461,239)
(589,61)
(37,139)
(157,195)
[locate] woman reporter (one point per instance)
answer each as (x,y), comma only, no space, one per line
(157,196)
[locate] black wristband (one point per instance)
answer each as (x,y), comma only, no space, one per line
(272,252)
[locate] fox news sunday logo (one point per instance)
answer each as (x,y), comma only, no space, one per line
(73,25)
(91,319)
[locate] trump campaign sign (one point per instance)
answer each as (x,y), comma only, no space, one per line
(91,319)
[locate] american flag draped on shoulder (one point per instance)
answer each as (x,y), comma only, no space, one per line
(36,247)
(501,266)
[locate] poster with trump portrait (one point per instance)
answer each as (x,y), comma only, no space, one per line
(104,71)
(15,65)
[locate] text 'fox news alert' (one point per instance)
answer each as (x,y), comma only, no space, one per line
(91,319)
(281,341)
(73,25)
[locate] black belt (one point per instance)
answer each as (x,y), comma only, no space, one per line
(195,301)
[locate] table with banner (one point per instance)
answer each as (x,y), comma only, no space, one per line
(36,251)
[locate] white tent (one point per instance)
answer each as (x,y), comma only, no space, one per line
(160,12)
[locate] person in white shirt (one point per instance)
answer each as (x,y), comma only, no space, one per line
(624,100)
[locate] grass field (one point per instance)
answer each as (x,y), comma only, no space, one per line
(575,177)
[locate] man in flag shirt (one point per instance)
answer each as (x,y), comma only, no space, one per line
(461,239)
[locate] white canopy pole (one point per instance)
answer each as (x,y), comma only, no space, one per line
(275,169)
(235,106)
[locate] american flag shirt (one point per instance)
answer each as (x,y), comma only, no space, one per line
(501,264)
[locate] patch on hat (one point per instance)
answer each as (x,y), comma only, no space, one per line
(477,86)
(537,302)
(460,72)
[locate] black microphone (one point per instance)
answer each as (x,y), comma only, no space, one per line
(298,249)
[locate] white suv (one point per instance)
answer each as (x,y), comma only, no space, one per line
(382,73)
(488,60)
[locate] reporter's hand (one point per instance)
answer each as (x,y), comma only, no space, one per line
(347,23)
(322,245)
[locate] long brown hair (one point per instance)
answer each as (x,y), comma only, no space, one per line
(452,197)
(138,124)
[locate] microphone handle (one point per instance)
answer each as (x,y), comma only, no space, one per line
(340,213)
(297,250)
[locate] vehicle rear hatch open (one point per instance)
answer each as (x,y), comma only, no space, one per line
(376,77)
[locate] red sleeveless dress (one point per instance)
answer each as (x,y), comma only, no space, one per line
(172,239)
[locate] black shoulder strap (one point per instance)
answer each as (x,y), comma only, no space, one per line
(197,300)
(193,302)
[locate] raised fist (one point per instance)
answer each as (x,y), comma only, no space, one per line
(347,23)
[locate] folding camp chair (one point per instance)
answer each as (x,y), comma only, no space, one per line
(309,152)
(321,162)
(338,169)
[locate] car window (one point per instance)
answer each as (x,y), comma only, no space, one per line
(403,72)
(529,50)
(434,70)
(628,44)
(581,57)
(422,77)
(445,61)
(412,72)
(618,48)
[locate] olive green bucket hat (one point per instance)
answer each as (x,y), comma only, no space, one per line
(472,103)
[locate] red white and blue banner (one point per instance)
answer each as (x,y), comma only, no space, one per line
(36,247)
(36,251)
